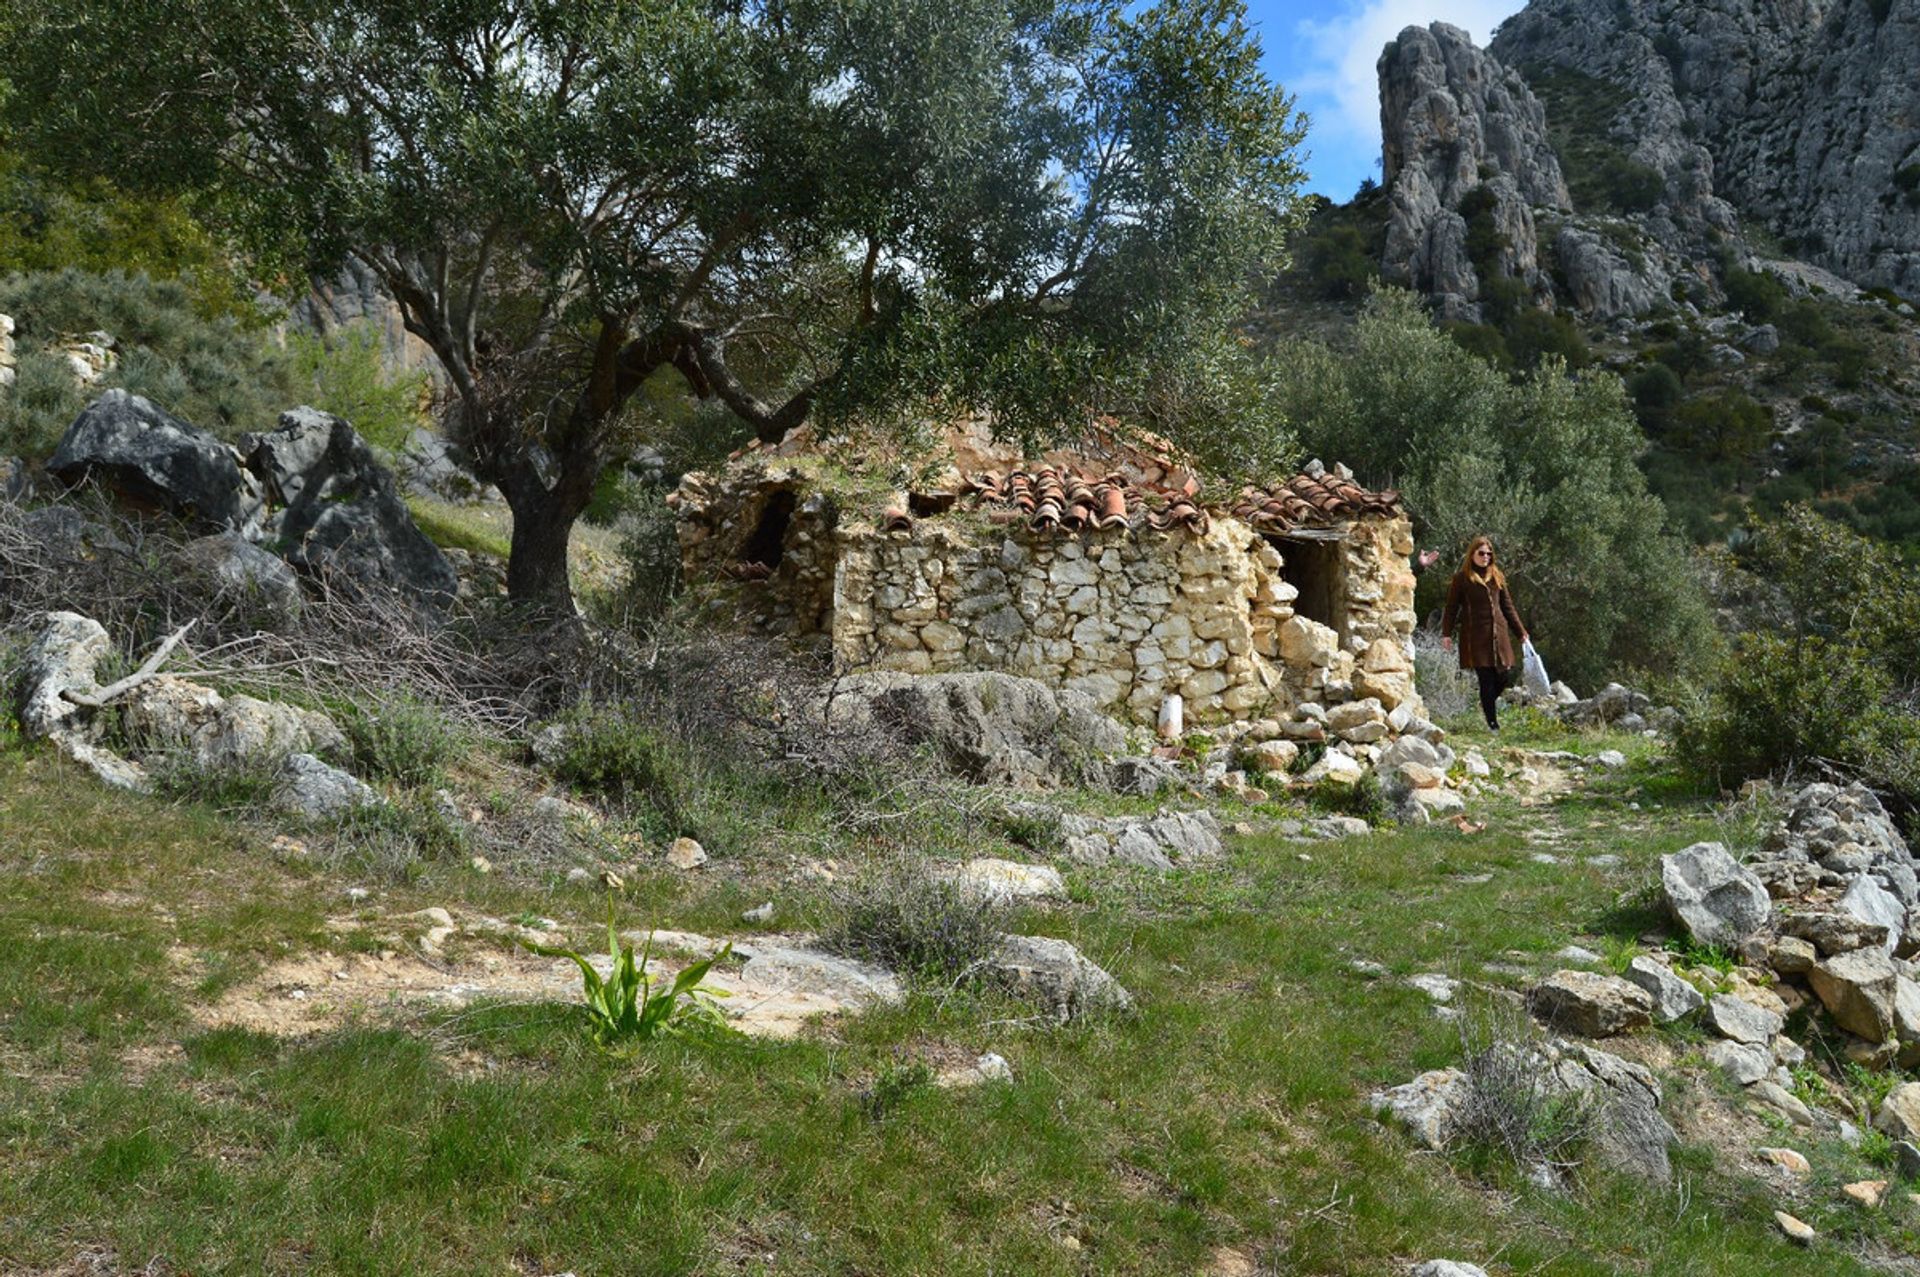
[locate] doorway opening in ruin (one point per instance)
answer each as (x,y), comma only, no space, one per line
(768,544)
(1316,567)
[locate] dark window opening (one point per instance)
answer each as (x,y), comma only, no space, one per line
(768,544)
(1316,568)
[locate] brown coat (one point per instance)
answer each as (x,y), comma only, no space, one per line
(1485,620)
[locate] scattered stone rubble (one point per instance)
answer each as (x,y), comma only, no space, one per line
(163,717)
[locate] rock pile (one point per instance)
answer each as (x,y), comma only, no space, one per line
(1823,916)
(311,488)
(159,717)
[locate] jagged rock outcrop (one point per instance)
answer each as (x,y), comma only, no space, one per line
(154,459)
(1803,116)
(1460,129)
(341,511)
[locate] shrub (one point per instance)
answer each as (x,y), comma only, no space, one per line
(1656,390)
(905,917)
(1759,295)
(1827,675)
(610,752)
(1512,1104)
(650,549)
(346,373)
(400,739)
(1728,425)
(215,373)
(1360,798)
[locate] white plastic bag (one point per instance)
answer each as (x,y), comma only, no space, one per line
(1533,672)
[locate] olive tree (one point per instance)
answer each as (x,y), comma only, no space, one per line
(1043,209)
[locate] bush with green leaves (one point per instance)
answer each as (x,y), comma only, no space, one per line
(218,374)
(399,738)
(906,917)
(1546,465)
(346,373)
(628,1005)
(1828,674)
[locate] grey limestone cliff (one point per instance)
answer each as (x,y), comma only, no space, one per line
(1463,137)
(1802,115)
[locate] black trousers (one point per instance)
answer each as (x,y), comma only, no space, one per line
(1493,681)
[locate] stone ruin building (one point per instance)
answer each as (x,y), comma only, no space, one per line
(1105,570)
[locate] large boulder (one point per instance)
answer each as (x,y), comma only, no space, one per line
(237,570)
(341,515)
(1858,989)
(218,733)
(152,459)
(1717,901)
(993,729)
(1057,975)
(1588,1003)
(1673,998)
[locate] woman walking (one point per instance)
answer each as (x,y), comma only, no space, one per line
(1481,609)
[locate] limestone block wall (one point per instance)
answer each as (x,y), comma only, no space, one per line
(1124,616)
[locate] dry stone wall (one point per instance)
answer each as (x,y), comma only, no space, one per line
(1126,617)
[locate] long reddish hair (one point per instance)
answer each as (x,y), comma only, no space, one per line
(1472,569)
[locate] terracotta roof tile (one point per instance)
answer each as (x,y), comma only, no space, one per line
(1049,498)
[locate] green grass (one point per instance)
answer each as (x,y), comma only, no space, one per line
(477,529)
(1230,1111)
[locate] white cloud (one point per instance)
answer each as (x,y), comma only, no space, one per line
(1339,86)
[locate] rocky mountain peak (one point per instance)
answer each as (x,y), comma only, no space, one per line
(1466,159)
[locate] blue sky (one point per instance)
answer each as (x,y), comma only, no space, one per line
(1323,52)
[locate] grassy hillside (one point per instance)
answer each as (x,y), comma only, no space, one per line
(1223,1128)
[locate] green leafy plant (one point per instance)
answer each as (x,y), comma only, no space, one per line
(894,1085)
(628,1005)
(1694,954)
(1620,953)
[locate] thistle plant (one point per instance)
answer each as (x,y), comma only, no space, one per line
(628,1005)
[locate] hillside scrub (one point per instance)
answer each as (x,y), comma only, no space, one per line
(1544,465)
(217,372)
(1824,671)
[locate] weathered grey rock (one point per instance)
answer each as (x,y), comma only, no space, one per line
(1899,1114)
(1448,1268)
(1426,1105)
(1457,123)
(1790,955)
(686,853)
(1741,1020)
(1143,777)
(1164,842)
(1858,990)
(1717,901)
(1673,998)
(1006,881)
(154,460)
(62,660)
(1906,1160)
(169,715)
(1906,1021)
(989,728)
(1744,1064)
(311,788)
(241,571)
(1832,933)
(1603,281)
(1874,905)
(1796,116)
(1633,1135)
(1057,975)
(1588,1003)
(340,512)
(1778,1097)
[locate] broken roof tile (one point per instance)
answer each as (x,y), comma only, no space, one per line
(1047,498)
